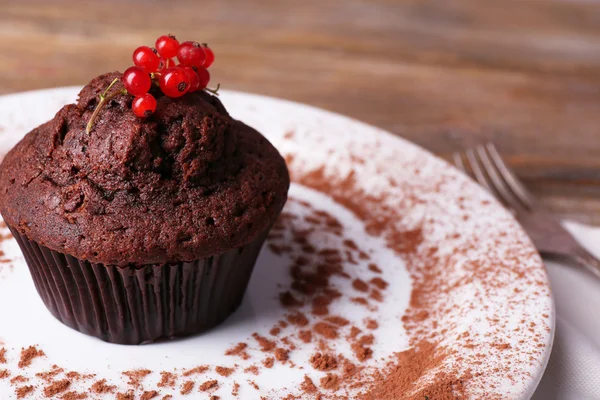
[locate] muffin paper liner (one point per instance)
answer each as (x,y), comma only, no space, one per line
(134,305)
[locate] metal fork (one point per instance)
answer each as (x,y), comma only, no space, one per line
(547,233)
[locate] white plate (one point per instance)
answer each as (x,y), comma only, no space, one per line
(487,301)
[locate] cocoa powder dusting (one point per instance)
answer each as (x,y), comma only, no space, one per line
(126,396)
(149,395)
(307,386)
(136,376)
(360,285)
(298,319)
(281,354)
(18,379)
(371,324)
(187,387)
(253,369)
(49,376)
(265,344)
(206,386)
(362,352)
(327,330)
(196,371)
(101,387)
(4,373)
(239,350)
(57,387)
(305,336)
(236,389)
(28,355)
(74,396)
(3,356)
(24,391)
(269,362)
(330,382)
(223,371)
(402,378)
(167,379)
(323,362)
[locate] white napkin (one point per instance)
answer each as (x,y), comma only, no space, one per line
(574,369)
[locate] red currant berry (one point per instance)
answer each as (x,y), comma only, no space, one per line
(136,81)
(143,106)
(210,56)
(191,54)
(204,77)
(174,82)
(165,63)
(193,76)
(167,46)
(146,58)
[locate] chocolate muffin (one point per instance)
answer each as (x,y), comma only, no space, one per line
(142,229)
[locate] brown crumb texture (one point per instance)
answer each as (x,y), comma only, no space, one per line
(2,355)
(4,373)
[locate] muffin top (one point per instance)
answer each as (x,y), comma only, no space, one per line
(186,183)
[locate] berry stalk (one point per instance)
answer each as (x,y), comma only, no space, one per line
(104,98)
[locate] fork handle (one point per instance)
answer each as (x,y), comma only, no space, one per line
(586,260)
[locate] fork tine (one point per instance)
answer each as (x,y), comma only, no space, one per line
(513,182)
(458,161)
(477,171)
(501,187)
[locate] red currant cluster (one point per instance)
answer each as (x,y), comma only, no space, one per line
(158,65)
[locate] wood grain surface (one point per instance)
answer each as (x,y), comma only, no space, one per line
(444,74)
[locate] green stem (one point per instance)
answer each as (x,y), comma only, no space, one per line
(214,91)
(104,98)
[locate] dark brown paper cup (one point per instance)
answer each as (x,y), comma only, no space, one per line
(134,305)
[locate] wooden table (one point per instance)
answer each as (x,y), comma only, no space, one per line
(523,73)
